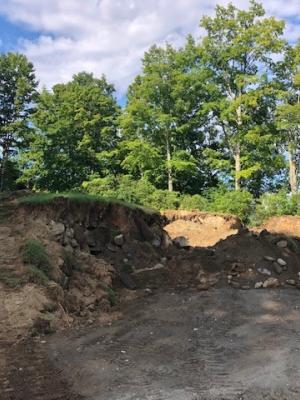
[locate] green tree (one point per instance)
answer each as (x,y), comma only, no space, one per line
(17,96)
(167,108)
(74,124)
(288,112)
(239,49)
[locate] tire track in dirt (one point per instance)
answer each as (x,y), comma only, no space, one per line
(222,344)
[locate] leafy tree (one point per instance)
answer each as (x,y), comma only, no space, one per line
(239,49)
(288,112)
(166,109)
(74,124)
(17,96)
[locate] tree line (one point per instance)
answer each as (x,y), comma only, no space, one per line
(221,111)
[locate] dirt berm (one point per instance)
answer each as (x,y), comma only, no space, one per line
(106,256)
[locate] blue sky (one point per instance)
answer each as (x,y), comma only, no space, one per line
(62,37)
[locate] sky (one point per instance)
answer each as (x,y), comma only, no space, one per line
(63,37)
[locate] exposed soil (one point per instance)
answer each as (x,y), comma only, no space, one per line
(222,344)
(201,229)
(139,316)
(287,225)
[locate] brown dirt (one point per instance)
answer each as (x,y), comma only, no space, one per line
(75,300)
(287,225)
(201,229)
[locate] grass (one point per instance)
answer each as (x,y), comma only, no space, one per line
(36,275)
(35,255)
(70,263)
(47,198)
(10,279)
(112,295)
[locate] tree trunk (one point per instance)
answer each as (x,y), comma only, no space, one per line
(3,168)
(169,168)
(237,159)
(293,171)
(237,155)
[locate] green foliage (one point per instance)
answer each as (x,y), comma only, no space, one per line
(17,96)
(35,255)
(36,275)
(195,202)
(240,203)
(276,204)
(10,279)
(70,263)
(74,123)
(239,49)
(112,295)
(166,113)
(140,192)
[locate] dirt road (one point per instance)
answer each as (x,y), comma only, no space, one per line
(187,345)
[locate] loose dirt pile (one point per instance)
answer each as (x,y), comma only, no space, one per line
(287,225)
(201,229)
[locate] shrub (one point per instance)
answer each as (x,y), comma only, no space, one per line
(35,255)
(163,199)
(276,204)
(195,202)
(36,275)
(240,203)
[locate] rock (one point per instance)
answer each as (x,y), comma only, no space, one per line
(235,284)
(271,283)
(74,243)
(158,266)
(70,233)
(203,286)
(60,262)
(163,260)
(238,267)
(264,271)
(127,280)
(268,258)
(57,228)
(281,262)
(264,233)
(291,282)
(282,244)
(277,268)
(258,285)
(119,240)
(181,242)
(245,287)
(148,291)
(156,242)
(166,240)
(111,247)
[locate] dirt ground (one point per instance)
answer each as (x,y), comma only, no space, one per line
(186,345)
(193,328)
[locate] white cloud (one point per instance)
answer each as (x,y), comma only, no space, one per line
(110,36)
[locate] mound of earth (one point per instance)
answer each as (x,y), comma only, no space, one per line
(287,224)
(201,229)
(91,247)
(105,255)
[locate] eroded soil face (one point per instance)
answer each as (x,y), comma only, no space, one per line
(184,345)
(201,229)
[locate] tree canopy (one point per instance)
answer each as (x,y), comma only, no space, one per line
(221,112)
